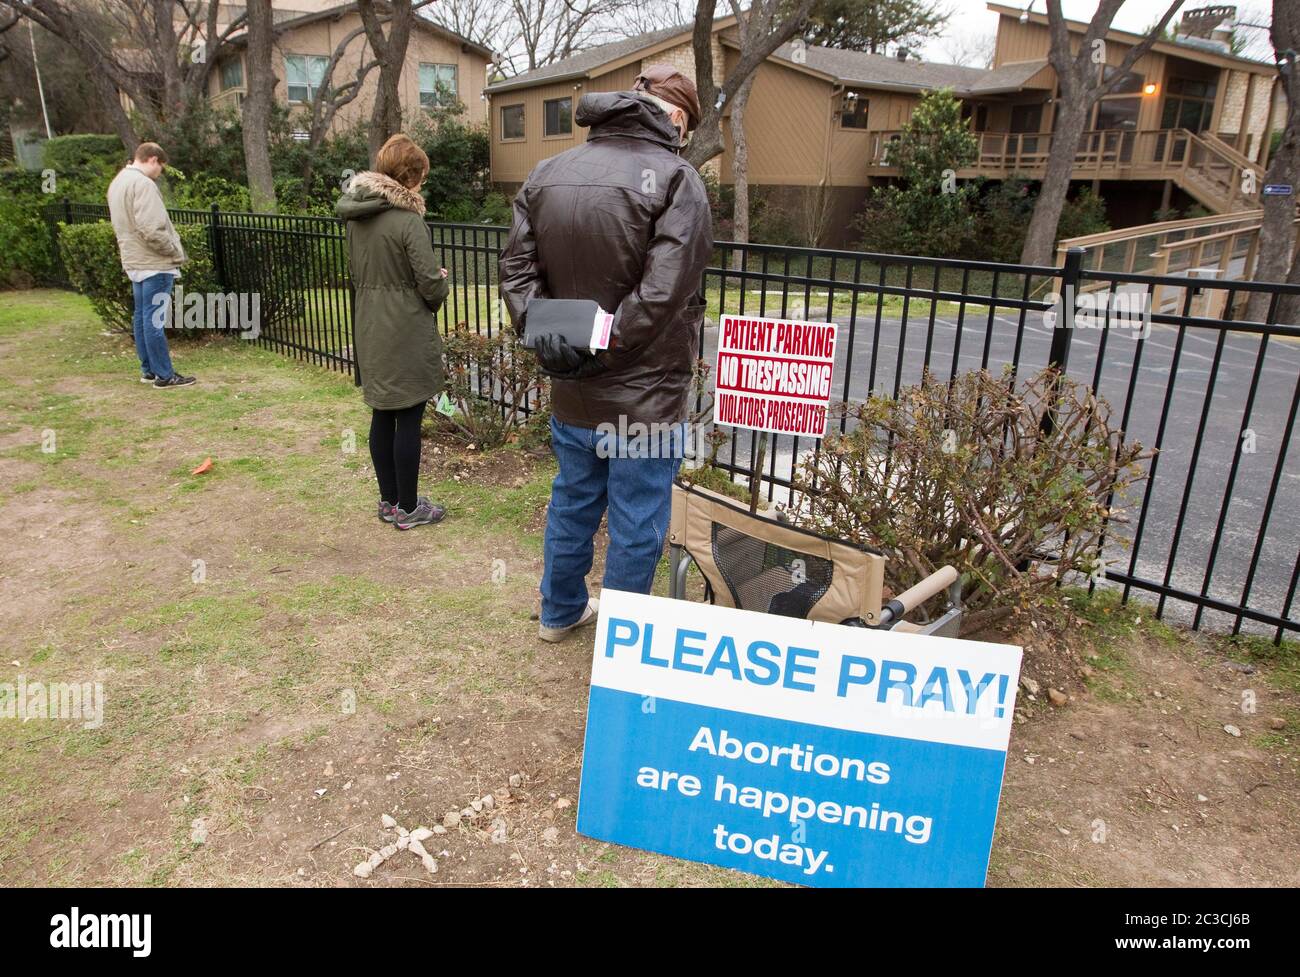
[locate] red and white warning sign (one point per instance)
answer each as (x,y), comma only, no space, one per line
(774,375)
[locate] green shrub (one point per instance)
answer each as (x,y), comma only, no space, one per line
(26,242)
(94,267)
(63,154)
(202,190)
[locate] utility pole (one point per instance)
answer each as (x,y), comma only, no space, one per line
(40,88)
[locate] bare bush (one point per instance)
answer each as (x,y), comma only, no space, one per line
(1013,483)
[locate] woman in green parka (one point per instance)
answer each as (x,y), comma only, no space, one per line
(399,289)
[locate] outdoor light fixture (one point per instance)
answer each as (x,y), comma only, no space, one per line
(1149,88)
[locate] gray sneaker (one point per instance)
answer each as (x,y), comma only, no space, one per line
(554,635)
(387,512)
(425,514)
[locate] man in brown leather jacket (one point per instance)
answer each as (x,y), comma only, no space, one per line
(622,220)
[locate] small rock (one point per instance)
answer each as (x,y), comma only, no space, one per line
(562,803)
(404,842)
(451,819)
(1240,667)
(1202,798)
(430,865)
(1277,722)
(488,802)
(1231,730)
(418,849)
(467,813)
(388,821)
(375,859)
(1056,697)
(515,780)
(439,829)
(421,834)
(321,792)
(1029,685)
(477,806)
(363,870)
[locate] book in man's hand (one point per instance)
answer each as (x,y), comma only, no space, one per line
(582,322)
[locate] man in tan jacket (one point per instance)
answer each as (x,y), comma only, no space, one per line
(151,255)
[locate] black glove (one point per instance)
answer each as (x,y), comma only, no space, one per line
(562,361)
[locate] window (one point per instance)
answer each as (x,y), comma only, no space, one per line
(232,74)
(304,74)
(1189,104)
(437,85)
(853,111)
(557,116)
(1118,113)
(1131,83)
(512,122)
(1027,118)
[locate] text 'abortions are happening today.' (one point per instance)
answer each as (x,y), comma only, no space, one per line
(774,375)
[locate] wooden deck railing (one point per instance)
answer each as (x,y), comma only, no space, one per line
(1210,170)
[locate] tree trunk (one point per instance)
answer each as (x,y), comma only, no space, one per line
(1040,239)
(706,142)
(1277,229)
(740,168)
(257,107)
(390,53)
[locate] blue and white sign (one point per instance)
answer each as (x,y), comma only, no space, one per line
(1277,189)
(813,753)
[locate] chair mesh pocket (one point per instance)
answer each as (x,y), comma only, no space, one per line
(769,578)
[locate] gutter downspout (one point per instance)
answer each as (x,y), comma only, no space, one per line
(836,92)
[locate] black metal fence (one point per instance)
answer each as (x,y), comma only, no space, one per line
(1215,536)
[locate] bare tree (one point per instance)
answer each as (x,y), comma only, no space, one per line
(974,49)
(545,31)
(390,53)
(158,53)
(706,143)
(257,105)
(329,98)
(1277,236)
(1081,81)
(485,22)
(753,25)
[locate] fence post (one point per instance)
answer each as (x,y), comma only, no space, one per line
(215,241)
(1058,356)
(67,211)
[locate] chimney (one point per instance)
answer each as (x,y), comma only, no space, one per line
(1207,22)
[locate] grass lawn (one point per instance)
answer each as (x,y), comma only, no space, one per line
(280,668)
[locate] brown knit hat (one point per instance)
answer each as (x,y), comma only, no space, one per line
(671,85)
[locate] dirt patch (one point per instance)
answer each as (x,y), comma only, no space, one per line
(328,670)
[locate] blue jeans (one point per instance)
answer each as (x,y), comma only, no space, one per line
(598,470)
(150,315)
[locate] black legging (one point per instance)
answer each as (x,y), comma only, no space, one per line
(395,450)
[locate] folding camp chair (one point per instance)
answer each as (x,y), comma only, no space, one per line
(756,563)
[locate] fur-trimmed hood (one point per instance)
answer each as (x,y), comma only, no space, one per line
(372,193)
